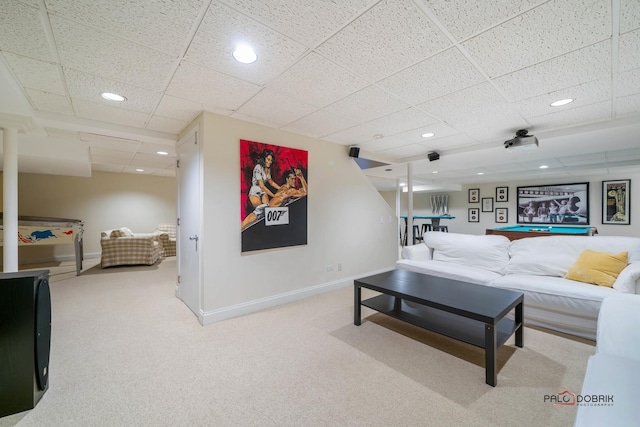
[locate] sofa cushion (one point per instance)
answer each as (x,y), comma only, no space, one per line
(554,255)
(627,280)
(488,252)
(449,270)
(116,233)
(598,268)
(420,252)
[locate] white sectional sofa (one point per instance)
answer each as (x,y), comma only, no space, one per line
(535,266)
(609,394)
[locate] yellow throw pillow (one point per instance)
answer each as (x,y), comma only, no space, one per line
(598,268)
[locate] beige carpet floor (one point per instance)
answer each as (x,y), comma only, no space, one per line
(126,352)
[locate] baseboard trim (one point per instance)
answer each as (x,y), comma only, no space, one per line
(210,317)
(58,258)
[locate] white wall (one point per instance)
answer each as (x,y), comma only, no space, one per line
(344,214)
(458,204)
(103,201)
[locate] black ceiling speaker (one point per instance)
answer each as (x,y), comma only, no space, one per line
(354,152)
(433,156)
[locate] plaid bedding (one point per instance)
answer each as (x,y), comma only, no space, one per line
(141,248)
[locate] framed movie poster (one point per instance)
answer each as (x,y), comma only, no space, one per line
(616,208)
(566,204)
(273,196)
(474,215)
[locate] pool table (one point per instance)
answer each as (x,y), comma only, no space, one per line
(521,231)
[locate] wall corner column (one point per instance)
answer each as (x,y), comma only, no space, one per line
(10,200)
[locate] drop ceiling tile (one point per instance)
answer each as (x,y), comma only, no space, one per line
(164,172)
(463,102)
(302,20)
(34,74)
(628,106)
(161,25)
(65,134)
(587,93)
(506,167)
(384,143)
(330,81)
(584,159)
(165,124)
(629,53)
(210,87)
(588,172)
(581,115)
(223,28)
(572,69)
(256,120)
(52,102)
(320,124)
(354,135)
(629,82)
(21,31)
(109,156)
(178,108)
(88,87)
(93,52)
(145,160)
(400,121)
(450,142)
(534,165)
(490,123)
(558,27)
(150,148)
(439,129)
(621,155)
(446,72)
(405,151)
(389,37)
(367,104)
(110,142)
(463,18)
(629,15)
(105,113)
(275,107)
(106,167)
(133,170)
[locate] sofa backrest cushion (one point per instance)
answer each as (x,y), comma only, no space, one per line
(554,255)
(489,252)
(419,252)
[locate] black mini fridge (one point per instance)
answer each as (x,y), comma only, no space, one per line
(25,339)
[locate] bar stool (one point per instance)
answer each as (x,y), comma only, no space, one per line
(425,228)
(417,236)
(443,228)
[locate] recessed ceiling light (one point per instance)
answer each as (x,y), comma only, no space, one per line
(139,170)
(543,167)
(245,54)
(113,96)
(434,172)
(428,135)
(480,173)
(562,102)
(378,136)
(162,153)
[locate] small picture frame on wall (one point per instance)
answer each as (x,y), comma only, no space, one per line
(502,194)
(502,215)
(474,215)
(616,202)
(487,204)
(474,195)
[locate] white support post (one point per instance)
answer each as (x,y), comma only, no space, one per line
(10,200)
(410,204)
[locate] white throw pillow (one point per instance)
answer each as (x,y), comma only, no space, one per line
(627,279)
(418,252)
(489,252)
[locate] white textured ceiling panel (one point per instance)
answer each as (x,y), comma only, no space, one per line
(629,15)
(587,114)
(388,38)
(52,102)
(105,55)
(439,130)
(34,74)
(106,167)
(407,150)
(558,27)
(331,82)
(384,143)
(101,141)
(165,172)
(484,124)
(577,67)
(463,17)
(106,155)
(105,113)
(178,108)
(288,109)
(165,124)
(473,98)
(367,104)
(83,86)
(628,105)
(621,155)
(159,24)
(450,142)
(21,31)
(223,29)
(354,135)
(395,123)
(629,47)
(629,82)
(584,159)
(149,148)
(152,161)
(444,73)
(321,123)
(302,20)
(210,87)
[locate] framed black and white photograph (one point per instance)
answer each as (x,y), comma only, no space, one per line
(616,208)
(551,204)
(502,194)
(474,195)
(487,204)
(502,215)
(474,215)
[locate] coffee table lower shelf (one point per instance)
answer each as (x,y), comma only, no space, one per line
(444,323)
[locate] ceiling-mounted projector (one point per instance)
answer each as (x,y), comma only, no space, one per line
(522,142)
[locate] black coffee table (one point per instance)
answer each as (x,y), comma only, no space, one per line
(467,312)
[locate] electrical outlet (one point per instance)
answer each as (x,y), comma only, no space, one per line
(330,267)
(339,266)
